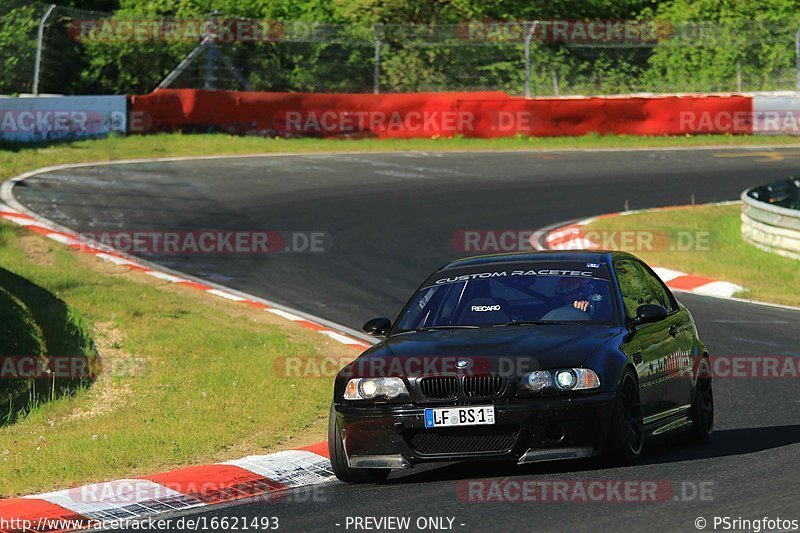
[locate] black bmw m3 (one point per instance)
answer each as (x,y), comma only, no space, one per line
(523,357)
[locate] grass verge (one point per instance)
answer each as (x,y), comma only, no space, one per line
(18,158)
(187,378)
(35,324)
(716,251)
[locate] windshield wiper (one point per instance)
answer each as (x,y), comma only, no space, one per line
(453,326)
(535,323)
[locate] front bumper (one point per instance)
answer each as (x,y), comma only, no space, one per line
(525,430)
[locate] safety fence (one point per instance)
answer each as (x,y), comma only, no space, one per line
(64,50)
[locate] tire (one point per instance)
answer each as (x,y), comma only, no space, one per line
(626,434)
(339,459)
(702,405)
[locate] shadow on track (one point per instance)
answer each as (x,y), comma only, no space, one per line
(723,443)
(729,442)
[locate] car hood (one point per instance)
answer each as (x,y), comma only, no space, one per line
(514,349)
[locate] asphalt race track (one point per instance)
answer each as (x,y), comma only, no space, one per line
(391,219)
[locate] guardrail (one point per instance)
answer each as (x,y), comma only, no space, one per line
(771,217)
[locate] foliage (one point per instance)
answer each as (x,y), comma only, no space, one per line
(17,48)
(740,39)
(758,37)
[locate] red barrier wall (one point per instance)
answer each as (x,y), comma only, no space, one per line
(481,114)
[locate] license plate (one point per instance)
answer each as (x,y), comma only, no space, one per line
(459,416)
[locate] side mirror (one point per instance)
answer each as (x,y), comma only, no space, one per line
(377,327)
(649,313)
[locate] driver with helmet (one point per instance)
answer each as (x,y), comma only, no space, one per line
(574,291)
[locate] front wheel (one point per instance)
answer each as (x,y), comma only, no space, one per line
(703,405)
(339,459)
(626,436)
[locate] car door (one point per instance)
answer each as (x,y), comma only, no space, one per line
(653,341)
(680,365)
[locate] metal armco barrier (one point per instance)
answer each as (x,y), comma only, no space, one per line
(771,217)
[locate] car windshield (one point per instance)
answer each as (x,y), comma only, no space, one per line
(551,293)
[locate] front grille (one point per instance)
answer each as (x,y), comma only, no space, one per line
(483,386)
(490,439)
(439,387)
(470,387)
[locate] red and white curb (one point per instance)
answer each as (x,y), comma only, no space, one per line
(111,502)
(571,236)
(73,240)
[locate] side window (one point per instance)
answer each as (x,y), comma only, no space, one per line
(657,288)
(634,287)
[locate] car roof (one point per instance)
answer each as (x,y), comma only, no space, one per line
(603,256)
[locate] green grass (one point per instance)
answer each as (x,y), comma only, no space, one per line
(19,333)
(33,325)
(766,277)
(187,378)
(20,336)
(18,158)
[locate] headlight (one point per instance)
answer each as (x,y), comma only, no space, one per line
(564,379)
(368,388)
(541,379)
(371,388)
